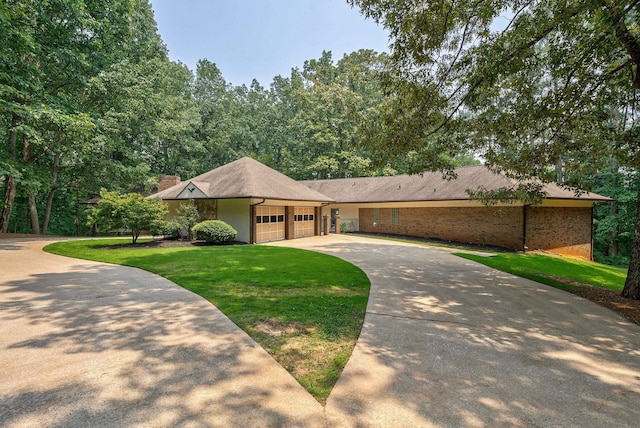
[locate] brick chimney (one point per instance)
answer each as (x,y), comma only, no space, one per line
(166,181)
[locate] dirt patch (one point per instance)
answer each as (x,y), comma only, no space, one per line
(628,308)
(276,329)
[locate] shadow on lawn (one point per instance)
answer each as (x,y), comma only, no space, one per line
(102,346)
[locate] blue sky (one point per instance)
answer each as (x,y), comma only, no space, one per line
(262,38)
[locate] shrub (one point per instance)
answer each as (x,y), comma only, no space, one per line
(167,229)
(216,231)
(188,216)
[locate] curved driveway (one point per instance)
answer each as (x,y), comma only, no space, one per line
(446,342)
(449,342)
(87,344)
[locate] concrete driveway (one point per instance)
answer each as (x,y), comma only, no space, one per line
(86,344)
(446,342)
(449,342)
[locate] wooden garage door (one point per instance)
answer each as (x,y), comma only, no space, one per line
(270,223)
(304,221)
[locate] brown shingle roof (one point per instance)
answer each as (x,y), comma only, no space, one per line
(429,186)
(246,178)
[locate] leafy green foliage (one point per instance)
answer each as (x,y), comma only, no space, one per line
(167,229)
(614,222)
(103,106)
(524,85)
(188,217)
(313,303)
(131,212)
(215,231)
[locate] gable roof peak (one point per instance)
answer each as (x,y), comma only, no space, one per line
(246,178)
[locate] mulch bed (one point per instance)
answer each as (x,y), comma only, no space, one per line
(167,243)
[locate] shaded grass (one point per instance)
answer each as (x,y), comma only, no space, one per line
(430,242)
(558,272)
(306,309)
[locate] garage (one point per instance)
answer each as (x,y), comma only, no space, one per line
(304,221)
(270,223)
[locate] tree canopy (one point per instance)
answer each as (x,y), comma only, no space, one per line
(130,212)
(544,89)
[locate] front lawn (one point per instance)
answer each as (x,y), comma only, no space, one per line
(560,272)
(306,309)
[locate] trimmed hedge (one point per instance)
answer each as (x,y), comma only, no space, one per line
(168,229)
(216,231)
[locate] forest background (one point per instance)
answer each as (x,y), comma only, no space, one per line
(89,100)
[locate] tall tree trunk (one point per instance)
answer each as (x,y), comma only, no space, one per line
(631,288)
(7,203)
(52,191)
(47,210)
(560,171)
(614,243)
(33,214)
(9,180)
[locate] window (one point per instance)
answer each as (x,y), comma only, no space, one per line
(376,215)
(395,215)
(280,218)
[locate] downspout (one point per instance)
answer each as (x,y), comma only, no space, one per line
(252,221)
(593,209)
(524,227)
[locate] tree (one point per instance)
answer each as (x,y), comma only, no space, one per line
(188,216)
(129,211)
(53,53)
(527,85)
(614,222)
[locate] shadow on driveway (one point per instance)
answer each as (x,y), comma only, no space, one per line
(91,344)
(449,342)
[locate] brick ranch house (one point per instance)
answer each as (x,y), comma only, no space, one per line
(265,205)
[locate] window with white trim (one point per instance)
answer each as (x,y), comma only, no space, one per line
(376,216)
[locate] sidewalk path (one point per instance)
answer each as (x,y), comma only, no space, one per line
(449,342)
(90,344)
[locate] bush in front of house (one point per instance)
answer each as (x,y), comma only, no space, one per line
(188,216)
(166,229)
(215,231)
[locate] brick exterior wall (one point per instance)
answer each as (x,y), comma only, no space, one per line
(499,226)
(562,230)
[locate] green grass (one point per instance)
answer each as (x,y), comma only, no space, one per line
(306,309)
(559,272)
